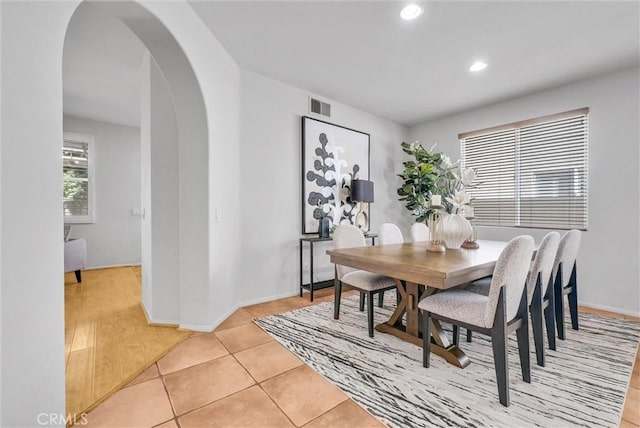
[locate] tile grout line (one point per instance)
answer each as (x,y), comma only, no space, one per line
(277,406)
(166,390)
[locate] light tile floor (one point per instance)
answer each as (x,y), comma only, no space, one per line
(237,376)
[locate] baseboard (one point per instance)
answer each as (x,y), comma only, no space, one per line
(268,299)
(158,323)
(112,266)
(610,309)
(210,327)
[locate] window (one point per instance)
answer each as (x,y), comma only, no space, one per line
(531,173)
(77,178)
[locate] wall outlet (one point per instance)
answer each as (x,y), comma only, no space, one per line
(137,212)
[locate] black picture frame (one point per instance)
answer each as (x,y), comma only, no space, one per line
(318,153)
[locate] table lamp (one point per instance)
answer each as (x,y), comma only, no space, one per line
(362,191)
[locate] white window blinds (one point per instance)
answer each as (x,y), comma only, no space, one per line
(531,173)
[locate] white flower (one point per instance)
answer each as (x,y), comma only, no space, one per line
(468,176)
(446,161)
(460,200)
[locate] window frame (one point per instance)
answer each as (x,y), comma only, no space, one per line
(516,128)
(90,141)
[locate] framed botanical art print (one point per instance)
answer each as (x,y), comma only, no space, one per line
(332,156)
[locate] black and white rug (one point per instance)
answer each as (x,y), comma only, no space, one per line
(584,382)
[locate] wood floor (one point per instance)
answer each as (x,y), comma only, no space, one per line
(107,339)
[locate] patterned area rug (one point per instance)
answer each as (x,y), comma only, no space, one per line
(583,384)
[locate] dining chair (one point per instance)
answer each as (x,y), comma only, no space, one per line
(368,283)
(390,234)
(420,232)
(540,295)
(565,282)
(500,313)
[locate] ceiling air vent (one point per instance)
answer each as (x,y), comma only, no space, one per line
(319,107)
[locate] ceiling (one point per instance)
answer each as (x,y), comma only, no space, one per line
(363,55)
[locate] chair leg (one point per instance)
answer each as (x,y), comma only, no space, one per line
(380,299)
(426,338)
(559,303)
(573,299)
(361,301)
(536,323)
(78,276)
(337,285)
(550,317)
(523,349)
(499,345)
(573,309)
(456,335)
(469,335)
(370,312)
(522,334)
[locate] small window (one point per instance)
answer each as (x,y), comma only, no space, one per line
(531,173)
(77,178)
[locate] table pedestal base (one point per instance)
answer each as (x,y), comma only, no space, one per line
(452,354)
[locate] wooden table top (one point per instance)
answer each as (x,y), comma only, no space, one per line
(412,262)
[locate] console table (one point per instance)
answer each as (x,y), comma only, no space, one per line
(311,286)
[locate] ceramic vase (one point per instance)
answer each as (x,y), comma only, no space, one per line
(455,230)
(323,228)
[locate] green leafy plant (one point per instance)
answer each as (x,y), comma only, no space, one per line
(421,179)
(431,173)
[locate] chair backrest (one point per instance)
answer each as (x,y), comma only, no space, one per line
(390,234)
(510,272)
(567,254)
(420,232)
(543,263)
(347,236)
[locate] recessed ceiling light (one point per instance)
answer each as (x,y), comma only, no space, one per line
(410,12)
(477,66)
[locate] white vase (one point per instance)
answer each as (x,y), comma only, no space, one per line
(455,230)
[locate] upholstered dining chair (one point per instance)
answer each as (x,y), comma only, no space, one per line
(565,282)
(539,295)
(420,232)
(500,313)
(368,283)
(390,234)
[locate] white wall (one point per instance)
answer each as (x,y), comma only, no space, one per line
(114,238)
(270,155)
(608,274)
(203,80)
(32,353)
(161,273)
(31,220)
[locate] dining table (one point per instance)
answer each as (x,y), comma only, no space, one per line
(419,273)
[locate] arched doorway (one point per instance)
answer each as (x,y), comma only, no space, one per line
(92,370)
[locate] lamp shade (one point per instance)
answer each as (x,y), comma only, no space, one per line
(362,190)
